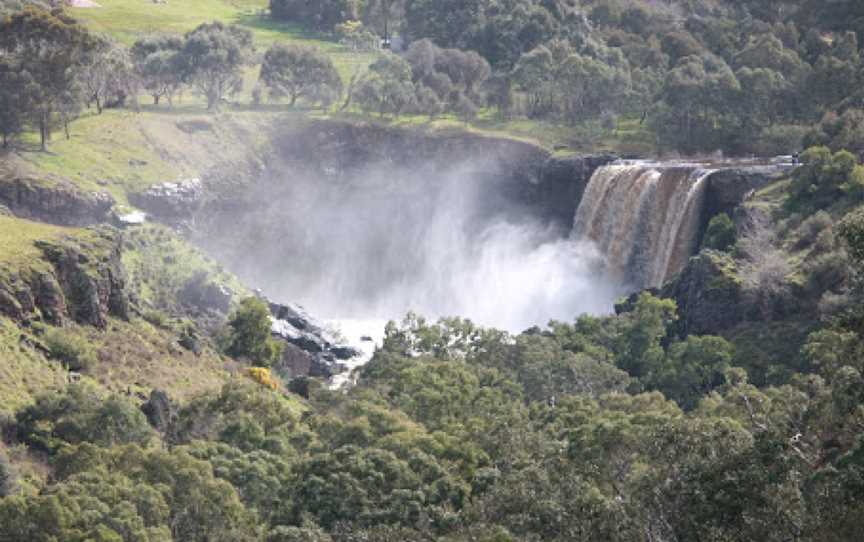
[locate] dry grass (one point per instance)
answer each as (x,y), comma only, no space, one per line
(138,357)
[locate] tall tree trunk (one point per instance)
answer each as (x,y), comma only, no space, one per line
(43,128)
(156,99)
(98,105)
(66,128)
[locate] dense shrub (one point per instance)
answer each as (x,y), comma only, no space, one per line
(78,415)
(780,140)
(828,272)
(825,177)
(851,230)
(811,228)
(249,335)
(838,132)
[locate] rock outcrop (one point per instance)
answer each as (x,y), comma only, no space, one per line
(311,350)
(84,282)
(53,202)
(525,177)
(709,294)
(170,201)
(730,186)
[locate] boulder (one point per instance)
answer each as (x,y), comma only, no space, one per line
(202,294)
(160,411)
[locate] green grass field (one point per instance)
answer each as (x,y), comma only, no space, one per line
(128,20)
(17,238)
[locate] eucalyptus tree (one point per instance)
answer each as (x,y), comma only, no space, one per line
(299,72)
(50,47)
(213,56)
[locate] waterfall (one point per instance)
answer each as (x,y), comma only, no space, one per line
(643,218)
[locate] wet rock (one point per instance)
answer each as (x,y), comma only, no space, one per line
(562,183)
(310,342)
(523,179)
(345,352)
(171,201)
(311,350)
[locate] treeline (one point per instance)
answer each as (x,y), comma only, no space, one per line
(51,68)
(701,76)
(745,76)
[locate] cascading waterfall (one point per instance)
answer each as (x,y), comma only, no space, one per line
(643,218)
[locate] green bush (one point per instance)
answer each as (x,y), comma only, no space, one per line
(851,230)
(73,351)
(721,233)
(824,177)
(250,334)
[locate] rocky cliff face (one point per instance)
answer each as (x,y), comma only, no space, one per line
(83,282)
(534,179)
(728,187)
(55,203)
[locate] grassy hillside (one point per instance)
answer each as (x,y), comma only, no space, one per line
(132,356)
(121,150)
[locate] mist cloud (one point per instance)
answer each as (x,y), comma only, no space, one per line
(377,243)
